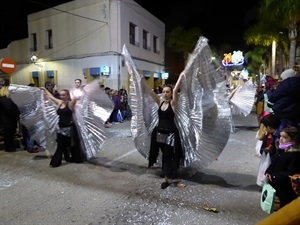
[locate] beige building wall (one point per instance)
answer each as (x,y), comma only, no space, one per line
(87,34)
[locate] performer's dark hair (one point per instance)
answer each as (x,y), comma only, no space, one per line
(68,93)
(169,86)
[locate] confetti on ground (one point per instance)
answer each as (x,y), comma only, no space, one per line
(211,209)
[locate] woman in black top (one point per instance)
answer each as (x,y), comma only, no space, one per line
(166,136)
(66,128)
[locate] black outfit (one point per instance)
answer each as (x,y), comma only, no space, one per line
(285,99)
(66,145)
(9,116)
(166,137)
(285,164)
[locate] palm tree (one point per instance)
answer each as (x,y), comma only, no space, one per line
(255,60)
(265,34)
(285,14)
(183,41)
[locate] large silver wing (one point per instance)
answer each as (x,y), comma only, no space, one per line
(51,122)
(144,109)
(203,115)
(37,114)
(243,99)
(91,112)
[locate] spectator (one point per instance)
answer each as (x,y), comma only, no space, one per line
(285,164)
(285,98)
(55,91)
(9,116)
(117,107)
(108,123)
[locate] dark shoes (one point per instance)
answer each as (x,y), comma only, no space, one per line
(54,165)
(33,150)
(164,185)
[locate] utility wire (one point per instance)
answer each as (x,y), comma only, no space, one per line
(73,14)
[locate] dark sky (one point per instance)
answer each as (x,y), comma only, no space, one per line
(220,21)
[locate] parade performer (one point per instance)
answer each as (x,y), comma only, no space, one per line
(38,114)
(202,116)
(165,135)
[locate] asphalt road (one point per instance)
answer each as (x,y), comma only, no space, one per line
(118,188)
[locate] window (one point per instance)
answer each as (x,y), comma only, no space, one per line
(33,42)
(133,34)
(146,40)
(49,39)
(156,44)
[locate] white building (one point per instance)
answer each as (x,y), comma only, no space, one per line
(84,39)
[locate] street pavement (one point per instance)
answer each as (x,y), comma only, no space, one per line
(118,188)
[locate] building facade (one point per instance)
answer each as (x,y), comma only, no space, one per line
(84,39)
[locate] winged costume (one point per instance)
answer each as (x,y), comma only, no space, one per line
(38,115)
(242,101)
(203,115)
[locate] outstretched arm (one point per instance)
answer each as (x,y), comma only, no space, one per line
(150,91)
(233,92)
(176,89)
(56,100)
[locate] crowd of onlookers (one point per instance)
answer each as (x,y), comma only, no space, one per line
(121,110)
(278,109)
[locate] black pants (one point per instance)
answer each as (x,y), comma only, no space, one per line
(168,163)
(63,148)
(69,147)
(9,138)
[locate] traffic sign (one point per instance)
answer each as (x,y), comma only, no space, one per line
(7,65)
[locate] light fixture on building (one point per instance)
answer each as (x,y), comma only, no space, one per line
(35,59)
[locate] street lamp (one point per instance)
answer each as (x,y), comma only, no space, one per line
(35,59)
(273,58)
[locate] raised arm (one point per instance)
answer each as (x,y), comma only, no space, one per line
(72,103)
(176,89)
(150,91)
(56,100)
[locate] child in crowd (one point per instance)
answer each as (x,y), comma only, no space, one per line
(269,134)
(284,164)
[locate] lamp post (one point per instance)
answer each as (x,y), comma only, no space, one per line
(273,58)
(35,59)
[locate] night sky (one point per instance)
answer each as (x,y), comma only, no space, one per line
(219,21)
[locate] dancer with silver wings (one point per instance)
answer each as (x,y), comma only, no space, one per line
(203,116)
(38,114)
